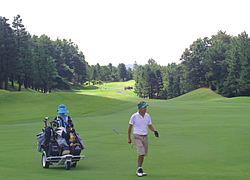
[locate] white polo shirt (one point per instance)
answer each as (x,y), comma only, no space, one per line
(140,124)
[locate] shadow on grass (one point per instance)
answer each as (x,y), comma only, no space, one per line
(90,87)
(62,168)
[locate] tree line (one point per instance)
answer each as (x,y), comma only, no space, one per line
(42,64)
(221,63)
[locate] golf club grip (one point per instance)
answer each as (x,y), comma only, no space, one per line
(116,131)
(45,123)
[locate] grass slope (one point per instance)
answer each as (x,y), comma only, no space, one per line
(24,106)
(202,94)
(202,136)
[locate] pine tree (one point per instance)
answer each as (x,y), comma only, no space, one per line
(22,67)
(8,52)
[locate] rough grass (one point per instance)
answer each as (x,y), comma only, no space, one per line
(202,136)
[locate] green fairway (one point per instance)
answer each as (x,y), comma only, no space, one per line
(202,135)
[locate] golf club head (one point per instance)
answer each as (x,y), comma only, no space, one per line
(45,121)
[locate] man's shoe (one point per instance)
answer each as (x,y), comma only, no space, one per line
(140,173)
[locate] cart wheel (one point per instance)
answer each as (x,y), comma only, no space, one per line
(45,163)
(67,165)
(74,164)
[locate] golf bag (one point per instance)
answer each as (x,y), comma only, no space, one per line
(53,149)
(44,138)
(76,145)
(47,139)
(72,137)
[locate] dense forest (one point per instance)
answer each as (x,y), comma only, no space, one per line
(220,63)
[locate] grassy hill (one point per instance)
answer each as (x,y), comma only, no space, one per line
(202,94)
(202,135)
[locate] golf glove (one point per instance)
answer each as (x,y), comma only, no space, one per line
(156,134)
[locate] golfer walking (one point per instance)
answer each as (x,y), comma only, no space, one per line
(140,121)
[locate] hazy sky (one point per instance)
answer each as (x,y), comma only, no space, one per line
(125,31)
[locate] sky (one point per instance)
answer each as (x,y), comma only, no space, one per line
(129,31)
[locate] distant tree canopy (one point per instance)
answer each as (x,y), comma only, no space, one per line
(43,64)
(221,63)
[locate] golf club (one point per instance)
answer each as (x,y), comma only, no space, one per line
(122,136)
(45,121)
